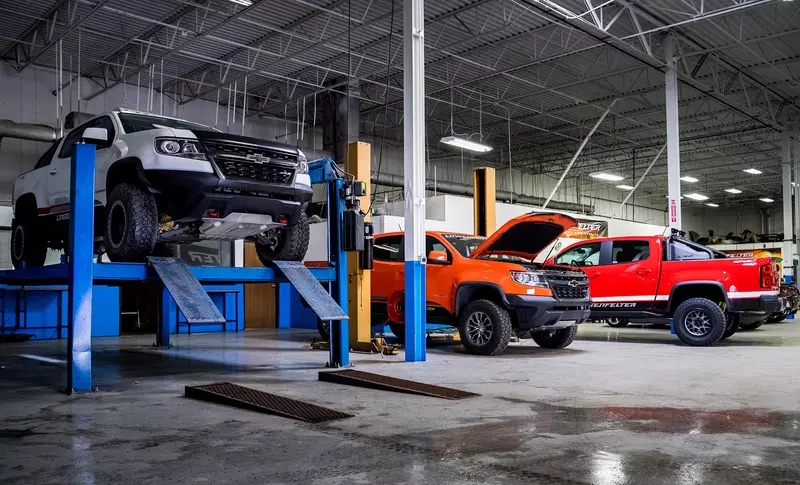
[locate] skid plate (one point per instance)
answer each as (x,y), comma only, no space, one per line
(188,293)
(309,288)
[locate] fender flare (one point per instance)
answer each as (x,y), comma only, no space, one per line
(466,289)
(683,284)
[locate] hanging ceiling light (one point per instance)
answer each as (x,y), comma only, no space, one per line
(607,176)
(466,144)
(625,187)
(246,3)
(752,171)
(767,200)
(733,191)
(711,204)
(696,196)
(689,179)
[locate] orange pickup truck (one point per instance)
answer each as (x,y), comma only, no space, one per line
(488,288)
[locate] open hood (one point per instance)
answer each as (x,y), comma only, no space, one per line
(525,236)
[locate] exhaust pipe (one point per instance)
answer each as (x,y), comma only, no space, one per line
(27,131)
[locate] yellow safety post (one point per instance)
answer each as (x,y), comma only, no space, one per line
(359,294)
(484,200)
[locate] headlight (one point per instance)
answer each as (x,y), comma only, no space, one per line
(302,162)
(528,278)
(180,148)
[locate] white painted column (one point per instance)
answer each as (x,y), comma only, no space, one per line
(786,182)
(673,138)
(414,176)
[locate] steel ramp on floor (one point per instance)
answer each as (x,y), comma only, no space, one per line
(309,288)
(188,293)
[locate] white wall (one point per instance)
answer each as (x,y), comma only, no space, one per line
(722,221)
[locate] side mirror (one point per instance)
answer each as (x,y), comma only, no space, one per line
(437,257)
(96,136)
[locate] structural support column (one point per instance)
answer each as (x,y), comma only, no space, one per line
(414,176)
(359,279)
(673,137)
(341,121)
(786,179)
(81,268)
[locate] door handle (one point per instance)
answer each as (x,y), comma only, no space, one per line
(642,272)
(54,171)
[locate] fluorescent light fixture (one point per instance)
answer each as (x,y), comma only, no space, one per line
(752,171)
(246,3)
(711,204)
(625,187)
(607,176)
(689,179)
(767,200)
(733,191)
(466,144)
(696,196)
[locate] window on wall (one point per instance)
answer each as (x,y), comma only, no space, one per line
(389,248)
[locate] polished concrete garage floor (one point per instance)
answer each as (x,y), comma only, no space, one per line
(628,406)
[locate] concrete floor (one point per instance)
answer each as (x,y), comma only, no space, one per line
(628,406)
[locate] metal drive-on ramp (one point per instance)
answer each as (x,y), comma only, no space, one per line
(309,288)
(188,293)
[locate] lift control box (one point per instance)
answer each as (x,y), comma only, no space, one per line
(353,230)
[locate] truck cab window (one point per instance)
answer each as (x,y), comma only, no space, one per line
(584,255)
(48,155)
(630,251)
(389,248)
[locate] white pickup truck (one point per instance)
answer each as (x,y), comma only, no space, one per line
(161,180)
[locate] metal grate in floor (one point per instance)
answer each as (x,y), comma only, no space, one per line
(246,398)
(386,383)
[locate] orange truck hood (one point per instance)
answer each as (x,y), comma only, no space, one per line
(525,236)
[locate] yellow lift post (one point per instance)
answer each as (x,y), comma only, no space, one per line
(358,164)
(484,201)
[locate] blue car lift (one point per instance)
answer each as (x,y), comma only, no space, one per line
(80,272)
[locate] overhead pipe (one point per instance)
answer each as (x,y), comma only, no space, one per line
(455,188)
(577,153)
(27,131)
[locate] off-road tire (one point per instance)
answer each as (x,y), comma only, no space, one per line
(131,223)
(751,326)
(487,312)
(399,330)
(713,317)
(28,245)
(292,243)
(617,322)
(555,339)
(734,321)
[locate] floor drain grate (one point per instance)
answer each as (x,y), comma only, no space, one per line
(246,398)
(386,383)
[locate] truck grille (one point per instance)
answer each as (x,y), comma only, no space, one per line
(569,286)
(247,162)
(569,293)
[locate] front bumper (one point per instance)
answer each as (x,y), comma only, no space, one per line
(762,304)
(187,196)
(540,313)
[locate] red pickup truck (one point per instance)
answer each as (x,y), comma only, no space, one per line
(705,293)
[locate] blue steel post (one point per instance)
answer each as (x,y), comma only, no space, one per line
(167,315)
(80,264)
(340,339)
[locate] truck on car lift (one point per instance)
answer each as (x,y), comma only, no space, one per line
(161,180)
(489,288)
(705,293)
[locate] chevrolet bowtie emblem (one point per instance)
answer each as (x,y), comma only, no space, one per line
(258,158)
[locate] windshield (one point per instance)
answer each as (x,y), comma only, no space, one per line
(464,244)
(133,122)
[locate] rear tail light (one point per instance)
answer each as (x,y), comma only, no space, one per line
(283,219)
(212,213)
(769,276)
